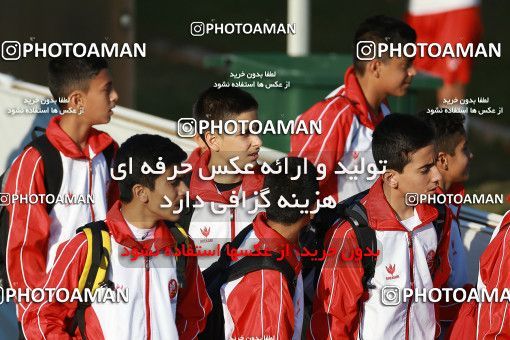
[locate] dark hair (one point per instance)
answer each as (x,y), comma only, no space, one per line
(381,29)
(397,137)
(304,188)
(222,104)
(67,74)
(145,148)
(448,127)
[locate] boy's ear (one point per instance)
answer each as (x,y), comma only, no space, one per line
(212,141)
(200,142)
(312,208)
(76,99)
(140,193)
(442,161)
(391,178)
(374,67)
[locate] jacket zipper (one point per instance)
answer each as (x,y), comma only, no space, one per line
(232,223)
(147,307)
(411,256)
(90,189)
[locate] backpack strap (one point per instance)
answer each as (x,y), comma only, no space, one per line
(95,270)
(250,264)
(35,130)
(181,238)
(210,274)
(108,154)
(357,217)
(439,222)
(438,227)
(52,162)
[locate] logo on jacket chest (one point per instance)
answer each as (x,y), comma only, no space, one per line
(390,269)
(172,288)
(431,256)
(205,231)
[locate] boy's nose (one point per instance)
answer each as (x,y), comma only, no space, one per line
(256,140)
(411,71)
(114,96)
(436,175)
(182,188)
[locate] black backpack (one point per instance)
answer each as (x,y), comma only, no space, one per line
(52,182)
(222,272)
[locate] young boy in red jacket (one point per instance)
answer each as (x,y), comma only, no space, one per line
(410,246)
(350,113)
(218,221)
(489,319)
(453,160)
(260,303)
(160,305)
(35,231)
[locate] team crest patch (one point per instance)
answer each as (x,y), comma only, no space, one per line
(172,288)
(205,231)
(431,255)
(391,271)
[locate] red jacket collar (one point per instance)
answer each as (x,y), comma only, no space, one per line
(455,189)
(381,215)
(97,140)
(354,93)
(207,190)
(505,223)
(194,156)
(122,234)
(273,241)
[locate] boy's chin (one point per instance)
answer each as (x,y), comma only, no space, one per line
(171,217)
(400,92)
(251,165)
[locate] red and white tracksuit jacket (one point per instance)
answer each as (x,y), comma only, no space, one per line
(33,234)
(343,310)
(259,304)
(488,320)
(209,229)
(494,318)
(346,137)
(157,307)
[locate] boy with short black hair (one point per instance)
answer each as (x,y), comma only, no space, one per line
(78,167)
(453,159)
(206,226)
(407,239)
(161,303)
(350,113)
(260,303)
